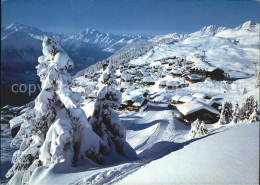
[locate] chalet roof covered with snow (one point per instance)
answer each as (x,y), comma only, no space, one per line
(194,106)
(176,98)
(186,99)
(199,95)
(173,83)
(189,62)
(149,79)
(163,83)
(193,77)
(126,76)
(137,96)
(177,72)
(133,71)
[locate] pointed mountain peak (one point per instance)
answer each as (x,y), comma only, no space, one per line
(246,25)
(212,29)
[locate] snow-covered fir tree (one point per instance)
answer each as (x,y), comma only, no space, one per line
(56,129)
(226,113)
(247,108)
(254,117)
(105,120)
(236,114)
(197,129)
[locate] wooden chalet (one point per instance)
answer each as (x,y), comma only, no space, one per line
(163,62)
(176,73)
(213,72)
(135,100)
(216,74)
(193,110)
(149,81)
(172,85)
(193,78)
(130,66)
(163,74)
(162,84)
(169,68)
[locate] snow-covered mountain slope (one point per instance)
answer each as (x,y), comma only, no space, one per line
(108,42)
(209,160)
(229,49)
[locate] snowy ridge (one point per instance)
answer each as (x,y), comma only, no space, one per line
(106,41)
(21,44)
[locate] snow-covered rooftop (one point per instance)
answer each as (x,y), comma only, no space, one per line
(172,83)
(193,106)
(186,99)
(176,72)
(199,95)
(163,83)
(135,95)
(176,98)
(193,77)
(149,79)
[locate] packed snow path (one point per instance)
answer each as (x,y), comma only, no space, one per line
(153,134)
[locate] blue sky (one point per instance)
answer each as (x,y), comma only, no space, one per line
(147,18)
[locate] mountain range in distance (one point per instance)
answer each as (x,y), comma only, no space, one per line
(22,45)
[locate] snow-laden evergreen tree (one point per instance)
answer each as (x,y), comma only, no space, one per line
(105,120)
(56,129)
(226,113)
(197,129)
(247,108)
(236,114)
(108,77)
(254,117)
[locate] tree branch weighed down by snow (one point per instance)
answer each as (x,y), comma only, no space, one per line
(56,129)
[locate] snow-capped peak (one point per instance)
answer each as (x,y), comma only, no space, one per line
(247,25)
(212,30)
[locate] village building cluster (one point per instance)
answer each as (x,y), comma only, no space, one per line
(169,74)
